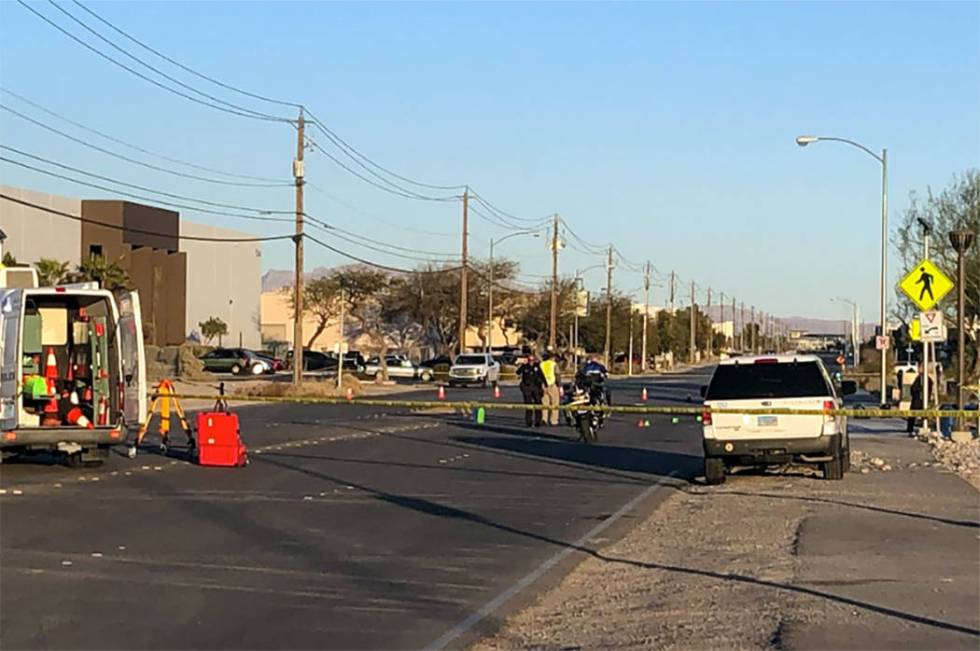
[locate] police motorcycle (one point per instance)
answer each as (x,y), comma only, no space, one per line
(579,401)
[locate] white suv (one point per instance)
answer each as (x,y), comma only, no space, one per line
(780,382)
(474,368)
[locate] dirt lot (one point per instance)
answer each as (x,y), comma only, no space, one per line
(882,559)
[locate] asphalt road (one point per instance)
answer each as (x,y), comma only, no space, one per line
(352,528)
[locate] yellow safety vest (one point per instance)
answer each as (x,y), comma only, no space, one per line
(548,369)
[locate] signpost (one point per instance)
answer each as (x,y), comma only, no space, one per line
(882,342)
(925,285)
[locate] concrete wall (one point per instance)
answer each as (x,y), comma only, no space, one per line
(224,279)
(33,234)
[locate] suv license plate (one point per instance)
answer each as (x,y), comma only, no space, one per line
(768,421)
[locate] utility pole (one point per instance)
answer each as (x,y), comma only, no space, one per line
(609,270)
(721,320)
(693,346)
(671,293)
(961,241)
(298,240)
(553,327)
(711,338)
(733,322)
(752,332)
(462,272)
(741,331)
(646,314)
(343,341)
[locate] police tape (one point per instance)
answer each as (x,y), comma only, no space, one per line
(471,405)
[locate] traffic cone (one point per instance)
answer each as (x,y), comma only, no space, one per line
(643,394)
(639,423)
(496,391)
(442,392)
(87,395)
(76,417)
(103,416)
(50,417)
(51,372)
(350,393)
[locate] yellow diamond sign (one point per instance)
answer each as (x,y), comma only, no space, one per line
(925,284)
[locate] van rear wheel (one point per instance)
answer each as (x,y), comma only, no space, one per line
(714,470)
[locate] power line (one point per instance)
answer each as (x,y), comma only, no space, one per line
(182,66)
(352,152)
(402,192)
(368,215)
(261,211)
(268,182)
(127,158)
(384,267)
(490,219)
(141,197)
(504,214)
(119,227)
(334,227)
(357,240)
(248,113)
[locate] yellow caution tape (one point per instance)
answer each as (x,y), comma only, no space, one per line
(614,409)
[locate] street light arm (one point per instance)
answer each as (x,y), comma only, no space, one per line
(877,157)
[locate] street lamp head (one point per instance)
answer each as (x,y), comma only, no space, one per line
(803,141)
(961,240)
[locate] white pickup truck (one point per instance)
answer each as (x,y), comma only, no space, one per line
(474,368)
(757,438)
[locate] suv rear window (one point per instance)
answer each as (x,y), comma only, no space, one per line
(471,360)
(751,381)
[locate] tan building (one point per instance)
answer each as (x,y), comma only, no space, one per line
(276,322)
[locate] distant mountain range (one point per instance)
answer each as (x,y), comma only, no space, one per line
(808,324)
(275,279)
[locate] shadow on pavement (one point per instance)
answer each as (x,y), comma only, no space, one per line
(436,509)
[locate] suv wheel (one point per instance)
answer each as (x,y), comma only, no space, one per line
(257,369)
(236,369)
(714,470)
(425,376)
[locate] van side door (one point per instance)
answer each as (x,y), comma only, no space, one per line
(11,305)
(133,358)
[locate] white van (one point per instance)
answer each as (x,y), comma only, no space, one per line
(78,341)
(780,382)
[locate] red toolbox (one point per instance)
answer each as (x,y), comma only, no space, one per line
(219,442)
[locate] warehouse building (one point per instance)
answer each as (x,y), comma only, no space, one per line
(181,282)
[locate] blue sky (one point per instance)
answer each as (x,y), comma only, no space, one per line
(665,128)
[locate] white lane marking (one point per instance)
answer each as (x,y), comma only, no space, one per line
(495,603)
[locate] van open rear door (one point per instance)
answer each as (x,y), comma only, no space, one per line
(133,358)
(11,305)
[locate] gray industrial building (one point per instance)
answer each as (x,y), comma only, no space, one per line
(181,282)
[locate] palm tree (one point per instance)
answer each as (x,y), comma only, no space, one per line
(109,275)
(50,272)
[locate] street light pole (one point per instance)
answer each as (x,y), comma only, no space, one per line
(803,141)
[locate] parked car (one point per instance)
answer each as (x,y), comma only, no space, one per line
(276,363)
(398,367)
(754,439)
(313,361)
(474,368)
(236,361)
(441,360)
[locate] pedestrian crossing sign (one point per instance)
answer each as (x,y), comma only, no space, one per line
(925,284)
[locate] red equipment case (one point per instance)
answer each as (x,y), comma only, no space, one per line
(219,442)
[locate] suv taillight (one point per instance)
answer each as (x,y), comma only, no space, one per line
(706,416)
(828,405)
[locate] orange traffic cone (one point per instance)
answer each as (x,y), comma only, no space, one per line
(50,415)
(350,393)
(51,372)
(643,394)
(496,391)
(442,392)
(76,417)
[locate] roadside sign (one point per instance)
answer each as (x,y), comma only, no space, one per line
(925,284)
(882,342)
(915,331)
(931,326)
(582,303)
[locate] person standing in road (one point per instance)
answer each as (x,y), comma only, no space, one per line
(552,392)
(532,389)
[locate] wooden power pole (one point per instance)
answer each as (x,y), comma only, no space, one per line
(298,281)
(694,344)
(609,269)
(553,325)
(462,273)
(646,314)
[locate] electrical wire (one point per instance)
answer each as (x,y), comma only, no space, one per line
(368,215)
(118,227)
(502,213)
(333,227)
(261,211)
(489,219)
(376,265)
(399,192)
(127,158)
(267,182)
(356,155)
(326,228)
(139,196)
(248,113)
(182,66)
